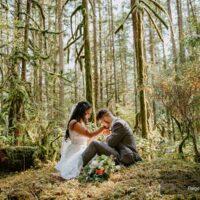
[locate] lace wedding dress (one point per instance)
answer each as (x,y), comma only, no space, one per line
(71,161)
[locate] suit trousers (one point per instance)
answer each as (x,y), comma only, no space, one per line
(99,148)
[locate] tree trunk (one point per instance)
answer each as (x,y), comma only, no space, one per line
(180,31)
(135,39)
(113,52)
(88,71)
(152,55)
(40,44)
(14,115)
(106,52)
(26,30)
(141,69)
(163,50)
(174,52)
(122,83)
(125,67)
(61,59)
(96,85)
(100,53)
(138,41)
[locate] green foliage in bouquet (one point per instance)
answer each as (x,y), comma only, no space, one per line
(99,169)
(101,138)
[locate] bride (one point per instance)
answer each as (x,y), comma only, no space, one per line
(76,140)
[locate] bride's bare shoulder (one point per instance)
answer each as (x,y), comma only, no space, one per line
(72,123)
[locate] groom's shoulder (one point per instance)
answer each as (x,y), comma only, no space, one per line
(118,121)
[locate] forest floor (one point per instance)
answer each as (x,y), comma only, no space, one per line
(158,179)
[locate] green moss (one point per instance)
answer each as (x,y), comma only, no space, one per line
(17,158)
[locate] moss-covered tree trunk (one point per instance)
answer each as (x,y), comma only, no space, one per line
(141,69)
(96,78)
(100,52)
(180,31)
(135,36)
(172,36)
(137,22)
(88,69)
(15,110)
(26,31)
(61,59)
(16,158)
(152,57)
(88,76)
(113,53)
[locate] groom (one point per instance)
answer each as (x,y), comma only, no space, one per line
(119,143)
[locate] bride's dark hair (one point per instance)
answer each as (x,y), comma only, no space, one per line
(78,114)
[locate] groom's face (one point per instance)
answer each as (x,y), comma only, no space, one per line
(106,121)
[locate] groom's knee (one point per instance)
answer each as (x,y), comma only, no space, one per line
(97,146)
(95,143)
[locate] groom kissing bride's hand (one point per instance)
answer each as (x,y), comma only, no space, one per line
(75,151)
(106,132)
(120,141)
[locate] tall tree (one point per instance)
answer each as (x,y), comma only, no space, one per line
(88,75)
(96,84)
(180,31)
(15,110)
(61,56)
(26,31)
(137,8)
(174,51)
(113,51)
(100,52)
(138,41)
(152,56)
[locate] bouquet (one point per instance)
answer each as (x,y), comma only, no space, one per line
(99,169)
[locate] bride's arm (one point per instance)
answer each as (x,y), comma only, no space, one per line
(76,126)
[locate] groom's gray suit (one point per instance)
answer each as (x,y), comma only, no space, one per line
(120,143)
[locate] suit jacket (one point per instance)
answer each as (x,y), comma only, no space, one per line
(121,138)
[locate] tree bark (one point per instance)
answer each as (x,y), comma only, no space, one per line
(138,41)
(100,53)
(96,78)
(135,64)
(174,51)
(180,31)
(141,68)
(113,53)
(61,58)
(88,71)
(152,55)
(14,115)
(26,30)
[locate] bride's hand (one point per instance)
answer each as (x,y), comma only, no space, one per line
(106,131)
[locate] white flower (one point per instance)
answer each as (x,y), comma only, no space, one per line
(118,167)
(94,164)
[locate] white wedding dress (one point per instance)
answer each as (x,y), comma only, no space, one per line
(71,160)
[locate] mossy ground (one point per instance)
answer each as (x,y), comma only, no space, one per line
(158,179)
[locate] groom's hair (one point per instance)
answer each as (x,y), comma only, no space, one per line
(103,112)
